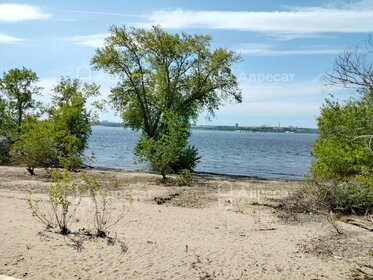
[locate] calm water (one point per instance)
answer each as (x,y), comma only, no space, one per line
(267,155)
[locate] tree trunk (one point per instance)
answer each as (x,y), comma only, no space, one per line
(31,170)
(163,176)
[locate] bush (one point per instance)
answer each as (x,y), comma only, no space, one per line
(102,204)
(64,199)
(169,153)
(342,150)
(185,178)
(36,146)
(343,165)
(187,160)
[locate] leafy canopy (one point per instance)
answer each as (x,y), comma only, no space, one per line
(18,87)
(161,72)
(344,147)
(71,120)
(60,139)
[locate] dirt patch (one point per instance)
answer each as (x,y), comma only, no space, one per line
(163,199)
(338,246)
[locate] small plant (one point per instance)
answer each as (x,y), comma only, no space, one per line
(63,200)
(185,178)
(102,204)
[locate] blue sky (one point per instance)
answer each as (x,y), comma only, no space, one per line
(286,46)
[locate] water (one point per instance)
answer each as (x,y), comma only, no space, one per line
(266,155)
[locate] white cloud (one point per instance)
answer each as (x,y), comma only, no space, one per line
(9,39)
(95,40)
(269,50)
(21,12)
(294,21)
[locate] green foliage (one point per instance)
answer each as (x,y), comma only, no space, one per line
(343,165)
(18,87)
(63,199)
(167,152)
(187,159)
(161,73)
(61,139)
(185,178)
(102,204)
(71,121)
(36,146)
(342,149)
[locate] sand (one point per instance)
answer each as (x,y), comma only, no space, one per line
(210,230)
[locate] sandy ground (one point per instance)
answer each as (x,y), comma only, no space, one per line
(210,230)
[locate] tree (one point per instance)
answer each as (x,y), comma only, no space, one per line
(353,68)
(18,87)
(161,72)
(71,120)
(59,140)
(36,146)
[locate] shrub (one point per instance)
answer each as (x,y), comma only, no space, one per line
(63,200)
(102,204)
(185,178)
(341,151)
(36,146)
(169,152)
(343,165)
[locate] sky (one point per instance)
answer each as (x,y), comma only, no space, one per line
(286,46)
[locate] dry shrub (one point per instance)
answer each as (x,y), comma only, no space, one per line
(331,196)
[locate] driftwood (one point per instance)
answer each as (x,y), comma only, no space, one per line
(358,223)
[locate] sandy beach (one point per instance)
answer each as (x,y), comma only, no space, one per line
(215,229)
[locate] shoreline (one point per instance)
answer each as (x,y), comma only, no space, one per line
(197,173)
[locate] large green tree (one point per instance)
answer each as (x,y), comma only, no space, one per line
(161,72)
(71,119)
(18,87)
(163,75)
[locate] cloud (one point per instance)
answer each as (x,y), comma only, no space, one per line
(295,21)
(21,12)
(269,50)
(102,13)
(9,39)
(95,40)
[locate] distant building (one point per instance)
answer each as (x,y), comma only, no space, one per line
(236,125)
